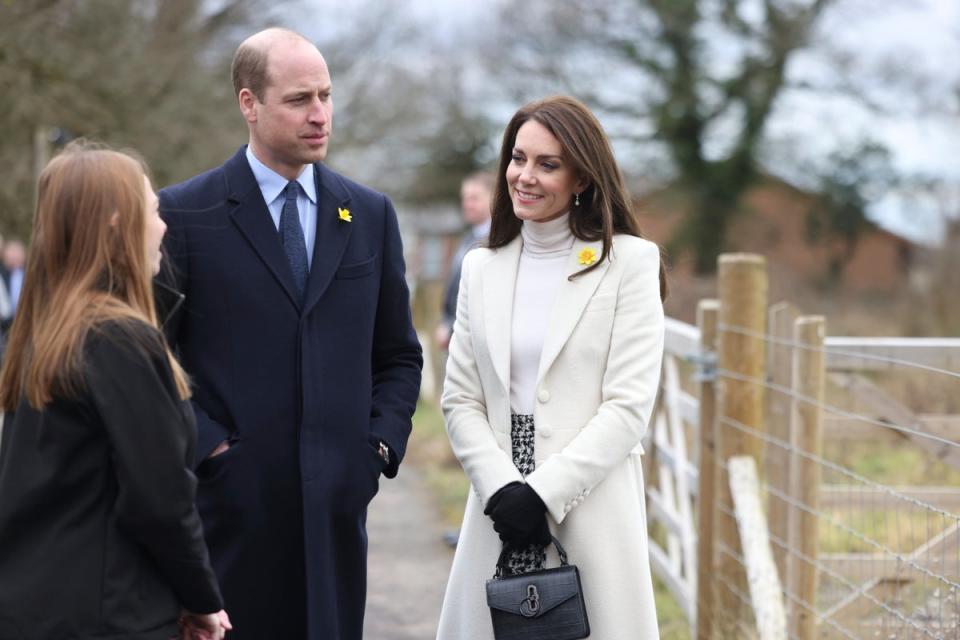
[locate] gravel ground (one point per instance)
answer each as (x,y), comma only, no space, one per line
(408,562)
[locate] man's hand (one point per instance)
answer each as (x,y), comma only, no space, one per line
(204,626)
(441,336)
(223,446)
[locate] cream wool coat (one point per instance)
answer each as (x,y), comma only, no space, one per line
(597,383)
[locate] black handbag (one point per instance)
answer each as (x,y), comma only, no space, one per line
(541,605)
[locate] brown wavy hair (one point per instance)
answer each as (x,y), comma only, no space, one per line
(87,264)
(605,205)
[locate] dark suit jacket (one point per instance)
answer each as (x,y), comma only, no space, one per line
(303,393)
(5,323)
(98,533)
(468,241)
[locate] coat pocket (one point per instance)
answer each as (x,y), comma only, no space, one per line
(355,270)
(211,469)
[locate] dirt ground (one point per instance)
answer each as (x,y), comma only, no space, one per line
(408,561)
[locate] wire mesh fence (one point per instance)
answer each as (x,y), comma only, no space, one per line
(887,561)
(864,515)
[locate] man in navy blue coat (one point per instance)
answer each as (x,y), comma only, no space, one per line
(296,331)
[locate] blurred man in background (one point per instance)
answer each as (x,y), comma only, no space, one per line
(14,261)
(13,258)
(476,191)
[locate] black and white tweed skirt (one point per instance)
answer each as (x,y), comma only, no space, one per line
(522,431)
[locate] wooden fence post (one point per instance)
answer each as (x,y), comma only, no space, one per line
(765,589)
(806,436)
(780,363)
(707,312)
(741,363)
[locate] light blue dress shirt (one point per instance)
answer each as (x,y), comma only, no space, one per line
(272,185)
(16,284)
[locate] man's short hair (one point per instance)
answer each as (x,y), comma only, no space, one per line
(485,179)
(249,70)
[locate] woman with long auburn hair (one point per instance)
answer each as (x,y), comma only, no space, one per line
(99,536)
(552,375)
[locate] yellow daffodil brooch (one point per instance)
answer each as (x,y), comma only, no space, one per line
(345,214)
(588,256)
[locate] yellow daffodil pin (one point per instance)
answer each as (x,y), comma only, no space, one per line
(588,256)
(345,214)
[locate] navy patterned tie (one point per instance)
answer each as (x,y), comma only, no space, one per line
(291,235)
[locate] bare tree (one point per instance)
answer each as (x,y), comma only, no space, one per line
(846,181)
(151,75)
(693,83)
(403,121)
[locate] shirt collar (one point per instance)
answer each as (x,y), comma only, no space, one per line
(272,183)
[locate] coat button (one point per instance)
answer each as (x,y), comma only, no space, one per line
(545,432)
(543,396)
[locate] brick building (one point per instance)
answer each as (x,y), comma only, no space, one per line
(774,223)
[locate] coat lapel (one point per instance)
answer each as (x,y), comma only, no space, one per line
(499,280)
(332,233)
(571,300)
(252,218)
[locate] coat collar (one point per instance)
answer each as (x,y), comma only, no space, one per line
(252,218)
(167,299)
(499,284)
(332,233)
(572,299)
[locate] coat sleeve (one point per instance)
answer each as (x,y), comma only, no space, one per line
(172,282)
(471,437)
(628,390)
(397,357)
(132,389)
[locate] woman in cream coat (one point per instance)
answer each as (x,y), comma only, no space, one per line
(561,318)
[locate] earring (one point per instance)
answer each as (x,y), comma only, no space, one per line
(576,199)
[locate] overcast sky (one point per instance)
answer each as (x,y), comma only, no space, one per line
(924,132)
(921,127)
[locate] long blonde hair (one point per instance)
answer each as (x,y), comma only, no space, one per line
(87,264)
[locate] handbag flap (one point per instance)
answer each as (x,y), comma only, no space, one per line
(553,588)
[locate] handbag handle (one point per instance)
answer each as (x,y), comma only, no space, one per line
(504,570)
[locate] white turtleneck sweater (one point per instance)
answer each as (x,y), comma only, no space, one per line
(545,253)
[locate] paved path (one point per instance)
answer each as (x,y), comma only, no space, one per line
(408,561)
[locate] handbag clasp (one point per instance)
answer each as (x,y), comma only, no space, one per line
(531,604)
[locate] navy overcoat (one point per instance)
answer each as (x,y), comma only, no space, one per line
(302,392)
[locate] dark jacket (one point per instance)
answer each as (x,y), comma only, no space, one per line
(99,536)
(468,241)
(302,391)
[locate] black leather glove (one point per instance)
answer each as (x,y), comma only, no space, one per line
(519,515)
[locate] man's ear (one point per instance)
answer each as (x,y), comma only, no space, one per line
(114,218)
(248,105)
